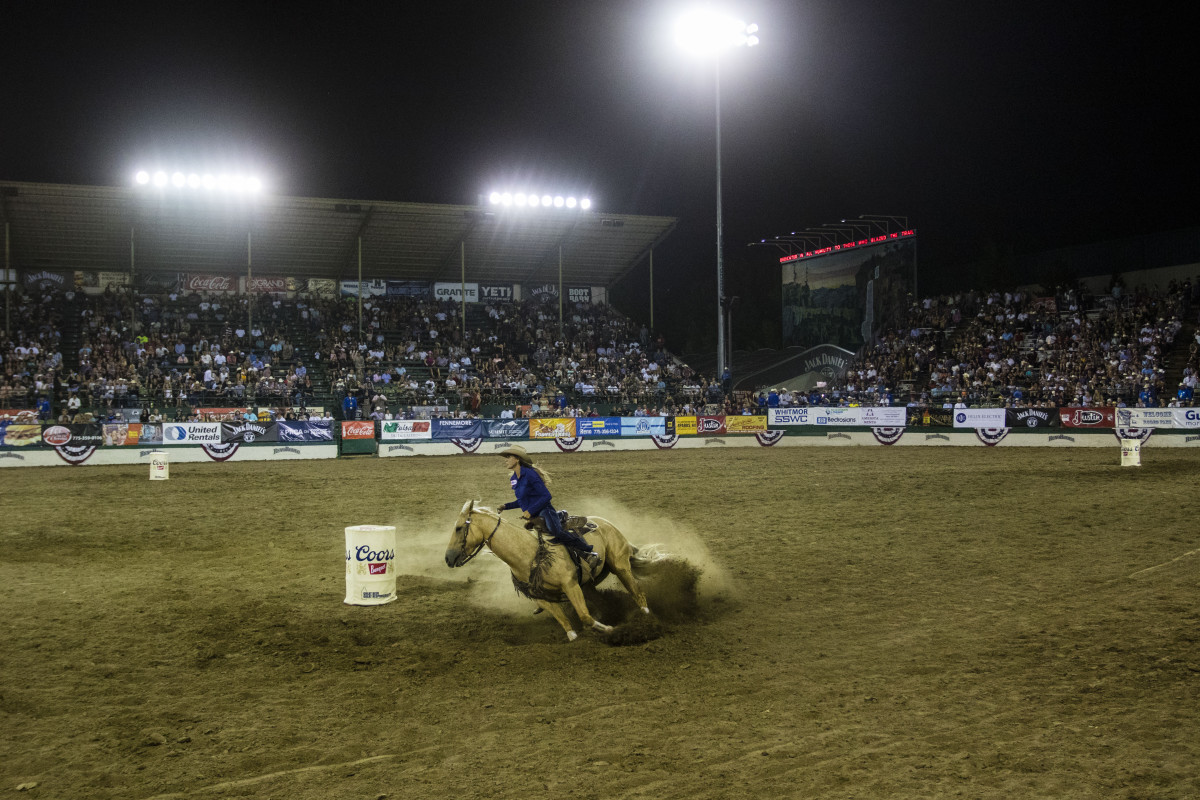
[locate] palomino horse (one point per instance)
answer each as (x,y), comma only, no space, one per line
(541,570)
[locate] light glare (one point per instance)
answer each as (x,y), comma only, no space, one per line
(707,32)
(142,177)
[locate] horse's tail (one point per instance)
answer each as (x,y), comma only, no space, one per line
(648,559)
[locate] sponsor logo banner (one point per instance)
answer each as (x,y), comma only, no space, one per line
(598,426)
(444,429)
(208,282)
(45,279)
(14,434)
(305,431)
(506,429)
(267,283)
(322,287)
(247,432)
(710,426)
(881,416)
(192,433)
(358,429)
(496,293)
(979,417)
(407,289)
(579,294)
(543,292)
(1032,418)
(787,416)
(643,426)
(221,414)
(745,424)
(132,434)
(372,288)
(406,429)
(1146,417)
(454,291)
(113,280)
(1186,417)
(685,426)
(1087,417)
(552,428)
(90,434)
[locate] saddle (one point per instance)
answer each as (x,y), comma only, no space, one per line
(574,525)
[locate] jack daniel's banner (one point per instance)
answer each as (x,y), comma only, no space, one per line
(248,432)
(1031,418)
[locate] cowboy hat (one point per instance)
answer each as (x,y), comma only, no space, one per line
(517,452)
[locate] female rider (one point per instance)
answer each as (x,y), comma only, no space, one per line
(533,498)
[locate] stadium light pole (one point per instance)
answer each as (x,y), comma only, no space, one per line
(708,33)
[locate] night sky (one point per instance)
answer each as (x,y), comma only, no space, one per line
(1011,126)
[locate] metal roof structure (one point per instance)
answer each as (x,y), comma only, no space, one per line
(152,230)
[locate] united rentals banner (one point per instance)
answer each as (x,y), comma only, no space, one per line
(1031,418)
(406,429)
(192,433)
(552,428)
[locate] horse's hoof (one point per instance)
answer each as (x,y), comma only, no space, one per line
(600,626)
(645,610)
(572,636)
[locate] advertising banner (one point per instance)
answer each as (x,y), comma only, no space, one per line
(111,280)
(979,417)
(643,426)
(358,429)
(454,291)
(881,416)
(1031,418)
(91,433)
(552,428)
(506,428)
(787,416)
(685,426)
(542,292)
(267,283)
(598,426)
(406,429)
(221,414)
(407,289)
(192,433)
(246,432)
(710,426)
(322,287)
(208,282)
(305,431)
(444,429)
(1186,417)
(14,434)
(496,292)
(1105,417)
(579,294)
(160,281)
(1146,417)
(372,288)
(130,434)
(745,424)
(47,279)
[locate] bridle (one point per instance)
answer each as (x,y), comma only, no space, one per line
(483,541)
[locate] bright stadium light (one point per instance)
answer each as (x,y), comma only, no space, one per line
(534,200)
(180,179)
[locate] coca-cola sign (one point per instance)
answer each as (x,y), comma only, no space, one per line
(203,282)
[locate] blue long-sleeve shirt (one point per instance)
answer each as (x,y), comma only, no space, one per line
(530,489)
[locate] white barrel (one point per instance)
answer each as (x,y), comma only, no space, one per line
(1131,453)
(370,565)
(160,467)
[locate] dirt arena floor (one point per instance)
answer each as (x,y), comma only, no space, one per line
(872,623)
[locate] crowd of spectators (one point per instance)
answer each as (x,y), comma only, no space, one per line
(406,355)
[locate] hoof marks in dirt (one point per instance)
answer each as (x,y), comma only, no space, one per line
(638,629)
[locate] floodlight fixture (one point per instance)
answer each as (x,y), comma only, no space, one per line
(160,178)
(181,179)
(534,200)
(708,32)
(142,177)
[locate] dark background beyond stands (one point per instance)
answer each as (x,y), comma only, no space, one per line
(997,129)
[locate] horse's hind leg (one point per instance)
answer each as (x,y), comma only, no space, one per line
(557,612)
(575,595)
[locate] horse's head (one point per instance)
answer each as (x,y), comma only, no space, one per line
(467,539)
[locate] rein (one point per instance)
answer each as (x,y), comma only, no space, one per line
(482,542)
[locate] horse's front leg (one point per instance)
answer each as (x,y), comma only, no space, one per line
(557,612)
(575,595)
